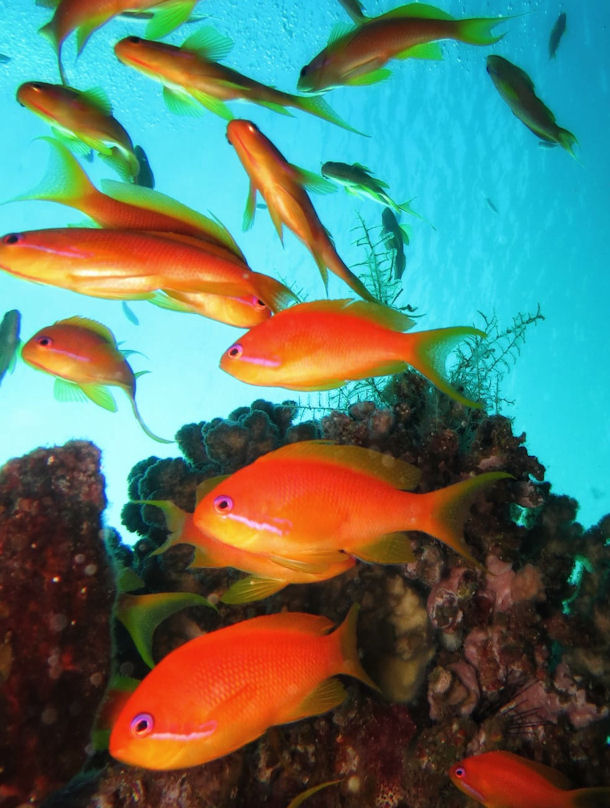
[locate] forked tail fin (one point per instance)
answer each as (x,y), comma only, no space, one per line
(443,513)
(428,350)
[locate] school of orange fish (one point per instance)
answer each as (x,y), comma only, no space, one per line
(307,511)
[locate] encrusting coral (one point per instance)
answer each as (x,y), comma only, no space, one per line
(467,661)
(512,658)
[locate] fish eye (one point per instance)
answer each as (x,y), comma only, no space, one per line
(460,771)
(235,351)
(141,725)
(44,341)
(223,504)
(12,238)
(303,71)
(135,40)
(259,304)
(35,85)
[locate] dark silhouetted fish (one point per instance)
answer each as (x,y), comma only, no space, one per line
(145,177)
(9,340)
(517,89)
(556,34)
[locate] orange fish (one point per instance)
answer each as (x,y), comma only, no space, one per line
(131,207)
(192,77)
(505,780)
(307,504)
(282,186)
(86,16)
(84,354)
(266,578)
(323,344)
(133,265)
(357,55)
(222,690)
(84,120)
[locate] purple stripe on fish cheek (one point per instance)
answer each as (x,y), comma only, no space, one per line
(197,734)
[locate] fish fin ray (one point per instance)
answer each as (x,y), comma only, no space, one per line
(391,470)
(251,588)
(100,395)
(392,548)
(181,103)
(372,77)
(169,16)
(328,694)
(66,391)
(209,43)
(425,50)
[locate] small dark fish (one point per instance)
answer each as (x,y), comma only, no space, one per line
(556,34)
(9,340)
(491,205)
(145,176)
(129,313)
(517,89)
(396,238)
(354,9)
(4,59)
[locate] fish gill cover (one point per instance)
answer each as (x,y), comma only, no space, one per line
(496,232)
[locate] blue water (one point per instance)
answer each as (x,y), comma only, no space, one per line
(439,133)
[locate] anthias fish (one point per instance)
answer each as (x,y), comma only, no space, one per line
(134,265)
(84,120)
(222,690)
(506,780)
(323,344)
(130,207)
(307,504)
(282,186)
(359,180)
(193,77)
(517,89)
(9,340)
(556,34)
(266,576)
(358,55)
(84,353)
(86,16)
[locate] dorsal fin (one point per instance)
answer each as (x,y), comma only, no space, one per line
(91,325)
(340,30)
(382,466)
(373,312)
(296,621)
(97,97)
(150,199)
(209,43)
(422,10)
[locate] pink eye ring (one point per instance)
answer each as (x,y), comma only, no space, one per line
(45,341)
(259,304)
(223,504)
(12,238)
(235,351)
(141,725)
(459,772)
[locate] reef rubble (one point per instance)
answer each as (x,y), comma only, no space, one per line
(56,596)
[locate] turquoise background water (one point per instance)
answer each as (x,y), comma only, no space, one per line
(439,133)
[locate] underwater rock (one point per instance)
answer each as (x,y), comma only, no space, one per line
(512,655)
(56,593)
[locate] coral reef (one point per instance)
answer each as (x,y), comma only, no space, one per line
(512,655)
(56,594)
